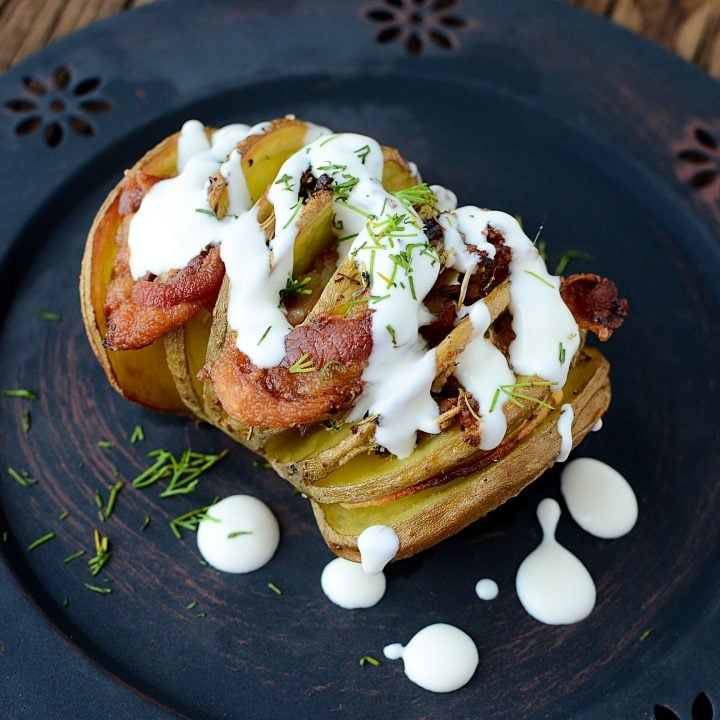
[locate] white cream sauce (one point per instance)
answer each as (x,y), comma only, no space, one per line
(387,240)
(599,498)
(440,657)
(239,535)
(486,589)
(564,428)
(378,545)
(552,584)
(598,425)
(346,584)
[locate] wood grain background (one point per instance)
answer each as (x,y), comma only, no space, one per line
(690,28)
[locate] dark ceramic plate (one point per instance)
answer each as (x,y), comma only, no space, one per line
(527,106)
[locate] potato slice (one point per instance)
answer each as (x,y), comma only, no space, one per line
(425,518)
(139,375)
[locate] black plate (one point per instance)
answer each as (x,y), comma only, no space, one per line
(527,106)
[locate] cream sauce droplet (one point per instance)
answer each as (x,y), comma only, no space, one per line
(486,589)
(347,585)
(378,545)
(240,535)
(440,657)
(598,425)
(599,498)
(564,428)
(552,584)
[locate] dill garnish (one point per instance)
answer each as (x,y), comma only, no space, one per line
(416,195)
(369,660)
(190,520)
(285,180)
(183,472)
(191,605)
(295,208)
(326,372)
(275,588)
(137,435)
(114,490)
(647,634)
(103,554)
(362,153)
(569,255)
(303,364)
(21,393)
(74,556)
(541,279)
(64,515)
(264,335)
(41,541)
(44,315)
(25,421)
(97,589)
(294,288)
(238,533)
(203,211)
(105,444)
(515,397)
(561,353)
(146,523)
(21,477)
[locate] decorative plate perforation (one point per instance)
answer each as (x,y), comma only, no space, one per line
(418,24)
(700,159)
(55,105)
(702,709)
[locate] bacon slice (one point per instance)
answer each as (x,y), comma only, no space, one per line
(140,312)
(337,348)
(594,303)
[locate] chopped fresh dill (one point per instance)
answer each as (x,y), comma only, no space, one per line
(561,353)
(66,602)
(99,500)
(303,364)
(21,477)
(355,208)
(285,180)
(265,334)
(542,250)
(541,279)
(97,589)
(369,660)
(362,153)
(191,605)
(342,189)
(326,372)
(45,315)
(391,330)
(183,472)
(295,208)
(569,255)
(378,298)
(411,283)
(146,523)
(64,515)
(4,535)
(417,195)
(204,211)
(238,533)
(102,554)
(330,167)
(202,616)
(328,139)
(25,421)
(105,444)
(275,588)
(515,397)
(260,464)
(41,541)
(74,556)
(337,223)
(190,520)
(112,499)
(294,288)
(137,435)
(647,634)
(21,393)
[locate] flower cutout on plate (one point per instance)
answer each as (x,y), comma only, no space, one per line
(417,23)
(701,709)
(702,159)
(57,105)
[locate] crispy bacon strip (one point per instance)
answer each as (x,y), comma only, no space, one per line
(594,303)
(140,312)
(278,398)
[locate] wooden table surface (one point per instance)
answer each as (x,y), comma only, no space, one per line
(690,28)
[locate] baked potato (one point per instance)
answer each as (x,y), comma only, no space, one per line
(399,360)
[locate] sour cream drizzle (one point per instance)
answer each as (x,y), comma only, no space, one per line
(239,535)
(599,498)
(378,545)
(387,240)
(564,428)
(440,657)
(552,584)
(486,589)
(346,584)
